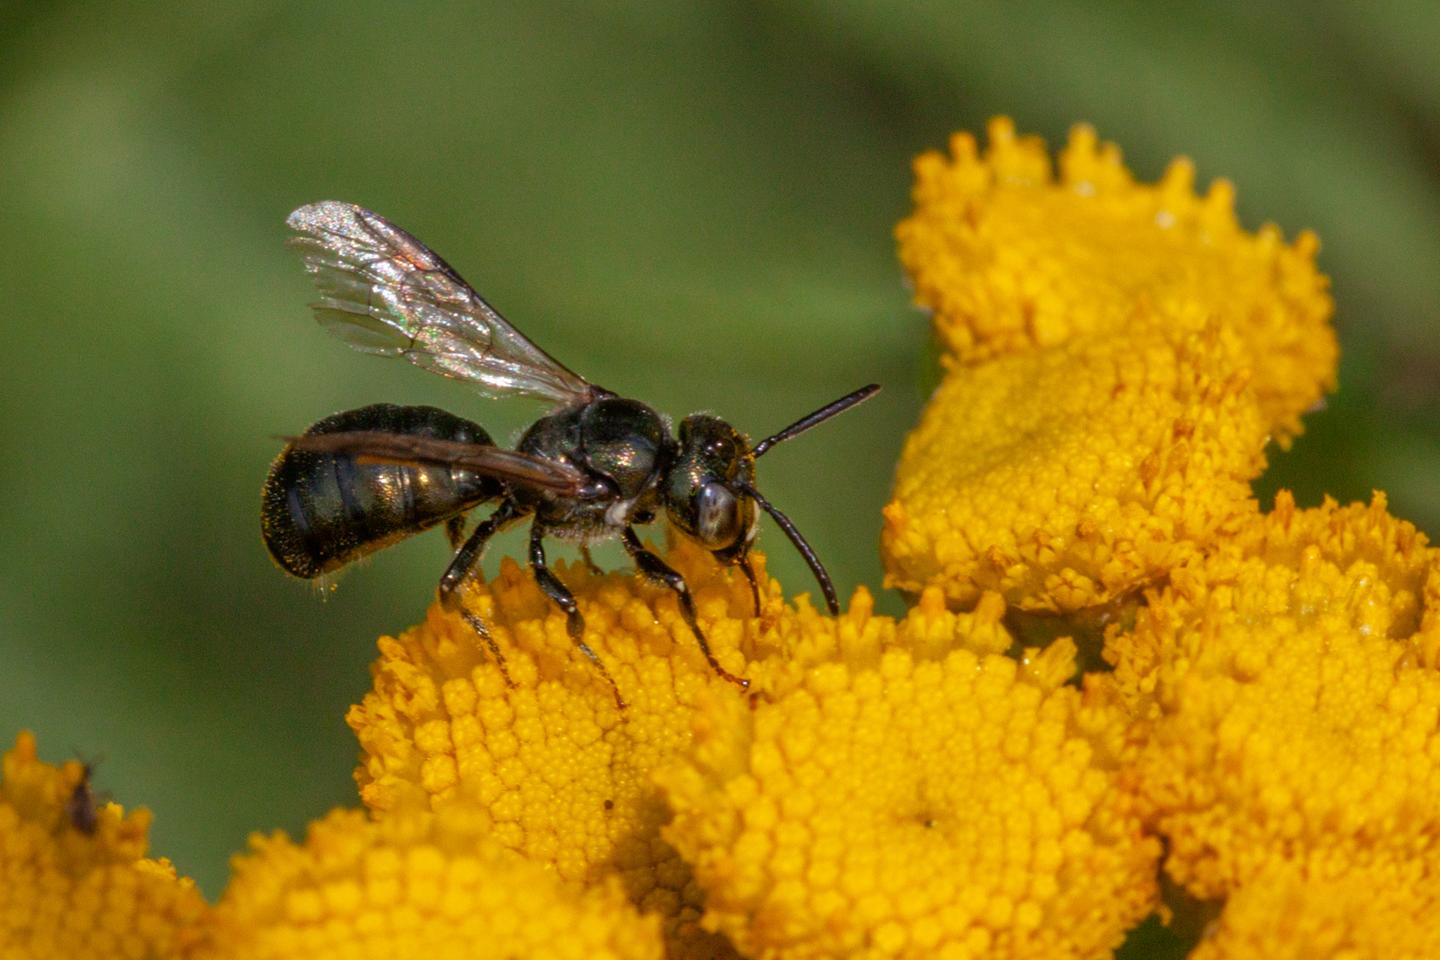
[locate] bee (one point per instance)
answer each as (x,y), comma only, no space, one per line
(594,468)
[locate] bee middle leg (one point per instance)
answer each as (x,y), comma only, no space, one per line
(463,564)
(652,566)
(561,596)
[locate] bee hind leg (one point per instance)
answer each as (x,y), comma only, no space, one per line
(462,565)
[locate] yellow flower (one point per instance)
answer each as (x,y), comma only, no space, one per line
(414,884)
(1284,917)
(1068,477)
(1285,713)
(1119,354)
(917,800)
(1010,258)
(74,879)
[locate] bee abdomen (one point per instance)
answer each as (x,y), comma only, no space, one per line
(321,511)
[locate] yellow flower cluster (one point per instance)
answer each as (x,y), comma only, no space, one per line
(559,768)
(1118,355)
(74,879)
(1290,721)
(571,782)
(414,885)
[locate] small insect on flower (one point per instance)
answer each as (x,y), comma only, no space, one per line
(594,468)
(80,807)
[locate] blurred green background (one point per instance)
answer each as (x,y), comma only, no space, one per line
(689,203)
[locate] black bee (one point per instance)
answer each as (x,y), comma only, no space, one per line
(593,469)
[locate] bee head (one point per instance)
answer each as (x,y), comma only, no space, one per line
(706,487)
(710,490)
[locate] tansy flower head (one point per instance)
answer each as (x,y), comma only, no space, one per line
(919,800)
(414,884)
(1285,716)
(82,889)
(1118,356)
(1011,258)
(1068,477)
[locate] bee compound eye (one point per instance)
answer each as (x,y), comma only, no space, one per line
(717,516)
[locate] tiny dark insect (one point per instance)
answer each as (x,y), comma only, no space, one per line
(80,807)
(593,469)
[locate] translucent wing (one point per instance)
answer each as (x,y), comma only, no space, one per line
(384,292)
(511,466)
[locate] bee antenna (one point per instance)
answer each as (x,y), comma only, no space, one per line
(810,420)
(793,532)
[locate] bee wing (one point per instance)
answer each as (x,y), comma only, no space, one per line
(510,466)
(384,292)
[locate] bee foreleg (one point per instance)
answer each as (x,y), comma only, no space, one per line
(652,566)
(589,560)
(561,596)
(749,572)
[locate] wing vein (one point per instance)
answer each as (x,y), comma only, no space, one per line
(384,292)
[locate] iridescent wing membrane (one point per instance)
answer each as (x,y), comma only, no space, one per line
(384,292)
